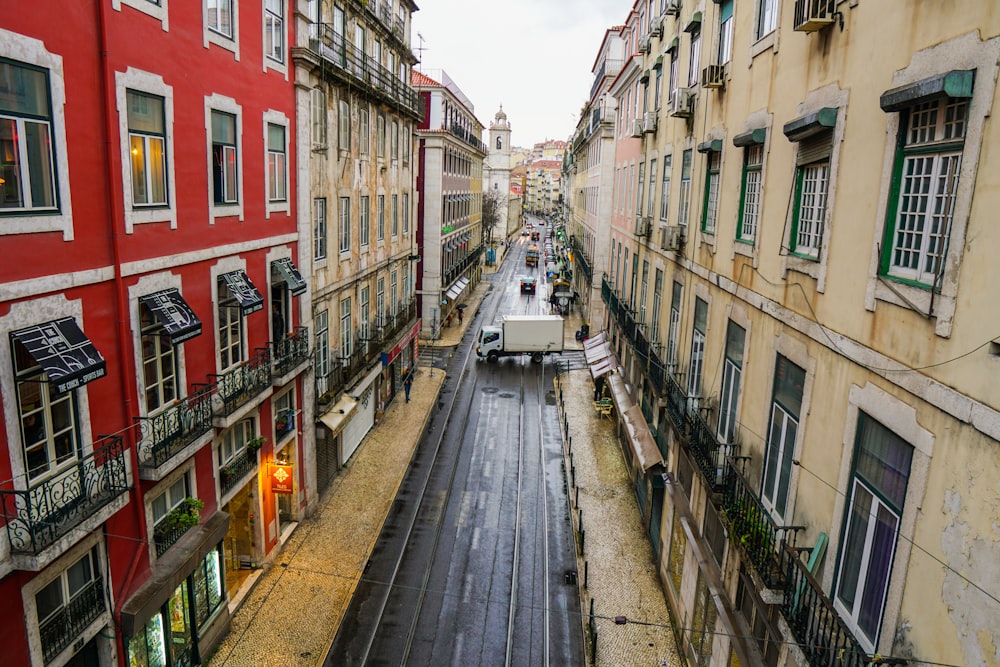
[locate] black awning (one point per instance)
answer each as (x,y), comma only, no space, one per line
(174,313)
(290,274)
(64,351)
(243,291)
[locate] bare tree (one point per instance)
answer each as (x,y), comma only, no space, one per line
(492,203)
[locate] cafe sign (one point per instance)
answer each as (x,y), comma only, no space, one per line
(281,478)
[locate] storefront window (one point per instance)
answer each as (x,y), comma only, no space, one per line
(208,592)
(146,648)
(180,626)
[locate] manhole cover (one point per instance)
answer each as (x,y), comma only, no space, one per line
(490,390)
(506,394)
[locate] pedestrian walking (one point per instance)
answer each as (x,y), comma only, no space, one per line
(460,317)
(406,386)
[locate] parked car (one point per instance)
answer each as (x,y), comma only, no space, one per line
(528,284)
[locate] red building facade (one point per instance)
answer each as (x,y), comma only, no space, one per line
(154,349)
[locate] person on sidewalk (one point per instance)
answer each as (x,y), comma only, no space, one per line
(406,386)
(460,316)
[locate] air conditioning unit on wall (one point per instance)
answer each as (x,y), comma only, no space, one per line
(637,127)
(680,105)
(813,15)
(713,76)
(649,122)
(672,238)
(643,227)
(673,8)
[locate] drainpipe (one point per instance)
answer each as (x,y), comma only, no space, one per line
(128,371)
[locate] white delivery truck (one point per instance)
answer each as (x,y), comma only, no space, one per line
(536,335)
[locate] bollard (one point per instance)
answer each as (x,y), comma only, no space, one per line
(572,474)
(586,571)
(576,492)
(583,534)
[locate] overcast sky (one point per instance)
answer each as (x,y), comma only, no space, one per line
(532,56)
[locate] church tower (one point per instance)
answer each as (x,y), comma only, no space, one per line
(496,170)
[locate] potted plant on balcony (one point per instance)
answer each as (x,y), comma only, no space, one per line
(186,515)
(256,443)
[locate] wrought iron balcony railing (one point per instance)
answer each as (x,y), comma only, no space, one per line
(237,386)
(44,512)
(707,451)
(677,404)
(816,625)
(63,627)
(167,432)
(291,351)
(581,260)
(467,136)
(365,71)
(237,469)
(164,539)
(752,528)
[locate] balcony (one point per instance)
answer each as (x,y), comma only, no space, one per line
(821,634)
(580,259)
(706,450)
(241,384)
(452,273)
(236,470)
(62,628)
(467,136)
(44,512)
(331,53)
(752,529)
(168,432)
(290,352)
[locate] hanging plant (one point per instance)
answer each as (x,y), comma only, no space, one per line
(256,443)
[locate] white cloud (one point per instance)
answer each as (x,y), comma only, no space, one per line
(532,56)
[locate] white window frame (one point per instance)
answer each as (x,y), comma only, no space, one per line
(944,185)
(786,427)
(765,19)
(729,394)
(153,84)
(364,133)
(346,330)
(344,225)
(812,186)
(380,217)
(317,108)
(321,324)
(751,193)
(406,213)
(56,570)
(665,189)
(684,205)
(227,105)
(365,222)
(344,128)
(32,52)
(149,284)
(713,179)
(320,230)
(283,204)
(273,23)
(159,9)
(219,38)
(24,314)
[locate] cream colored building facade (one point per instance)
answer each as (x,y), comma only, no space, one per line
(356,121)
(820,380)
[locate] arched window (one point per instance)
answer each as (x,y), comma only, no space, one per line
(499,146)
